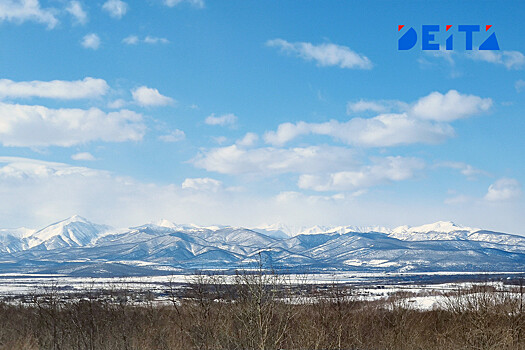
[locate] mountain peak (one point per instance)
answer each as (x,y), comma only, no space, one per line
(440,226)
(165,223)
(73,231)
(74,218)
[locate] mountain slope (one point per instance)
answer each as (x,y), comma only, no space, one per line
(76,246)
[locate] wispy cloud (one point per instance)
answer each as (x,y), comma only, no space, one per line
(134,40)
(465,169)
(509,59)
(519,85)
(174,136)
(223,120)
(382,170)
(202,184)
(56,89)
(27,10)
(195,3)
(76,10)
(324,54)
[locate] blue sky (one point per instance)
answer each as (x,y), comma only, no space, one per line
(252,112)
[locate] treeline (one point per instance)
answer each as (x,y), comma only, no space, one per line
(264,311)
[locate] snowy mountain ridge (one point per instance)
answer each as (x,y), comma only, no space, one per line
(77,246)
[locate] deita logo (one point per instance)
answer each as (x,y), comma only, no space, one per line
(428,37)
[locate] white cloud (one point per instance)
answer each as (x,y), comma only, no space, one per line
(202,184)
(223,120)
(146,96)
(134,40)
(292,197)
(465,169)
(57,89)
(450,106)
(381,171)
(503,189)
(174,136)
(27,10)
(75,9)
(83,156)
(36,193)
(509,59)
(91,41)
(115,8)
(116,104)
(221,140)
(154,40)
(23,169)
(384,130)
(425,121)
(194,3)
(32,126)
(520,85)
(324,54)
(248,140)
(382,106)
(269,161)
(131,40)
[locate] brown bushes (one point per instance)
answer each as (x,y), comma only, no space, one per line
(264,311)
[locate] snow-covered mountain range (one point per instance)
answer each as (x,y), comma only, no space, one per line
(76,246)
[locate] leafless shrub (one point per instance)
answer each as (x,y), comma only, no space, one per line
(260,309)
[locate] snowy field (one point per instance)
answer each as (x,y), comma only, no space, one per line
(403,287)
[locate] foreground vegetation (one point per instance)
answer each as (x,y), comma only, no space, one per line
(263,311)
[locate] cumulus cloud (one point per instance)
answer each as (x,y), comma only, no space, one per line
(56,89)
(146,96)
(115,8)
(509,59)
(248,140)
(75,9)
(381,171)
(36,193)
(91,41)
(134,40)
(33,126)
(424,121)
(194,3)
(323,54)
(20,11)
(83,156)
(382,131)
(450,106)
(223,120)
(504,189)
(202,184)
(270,161)
(174,136)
